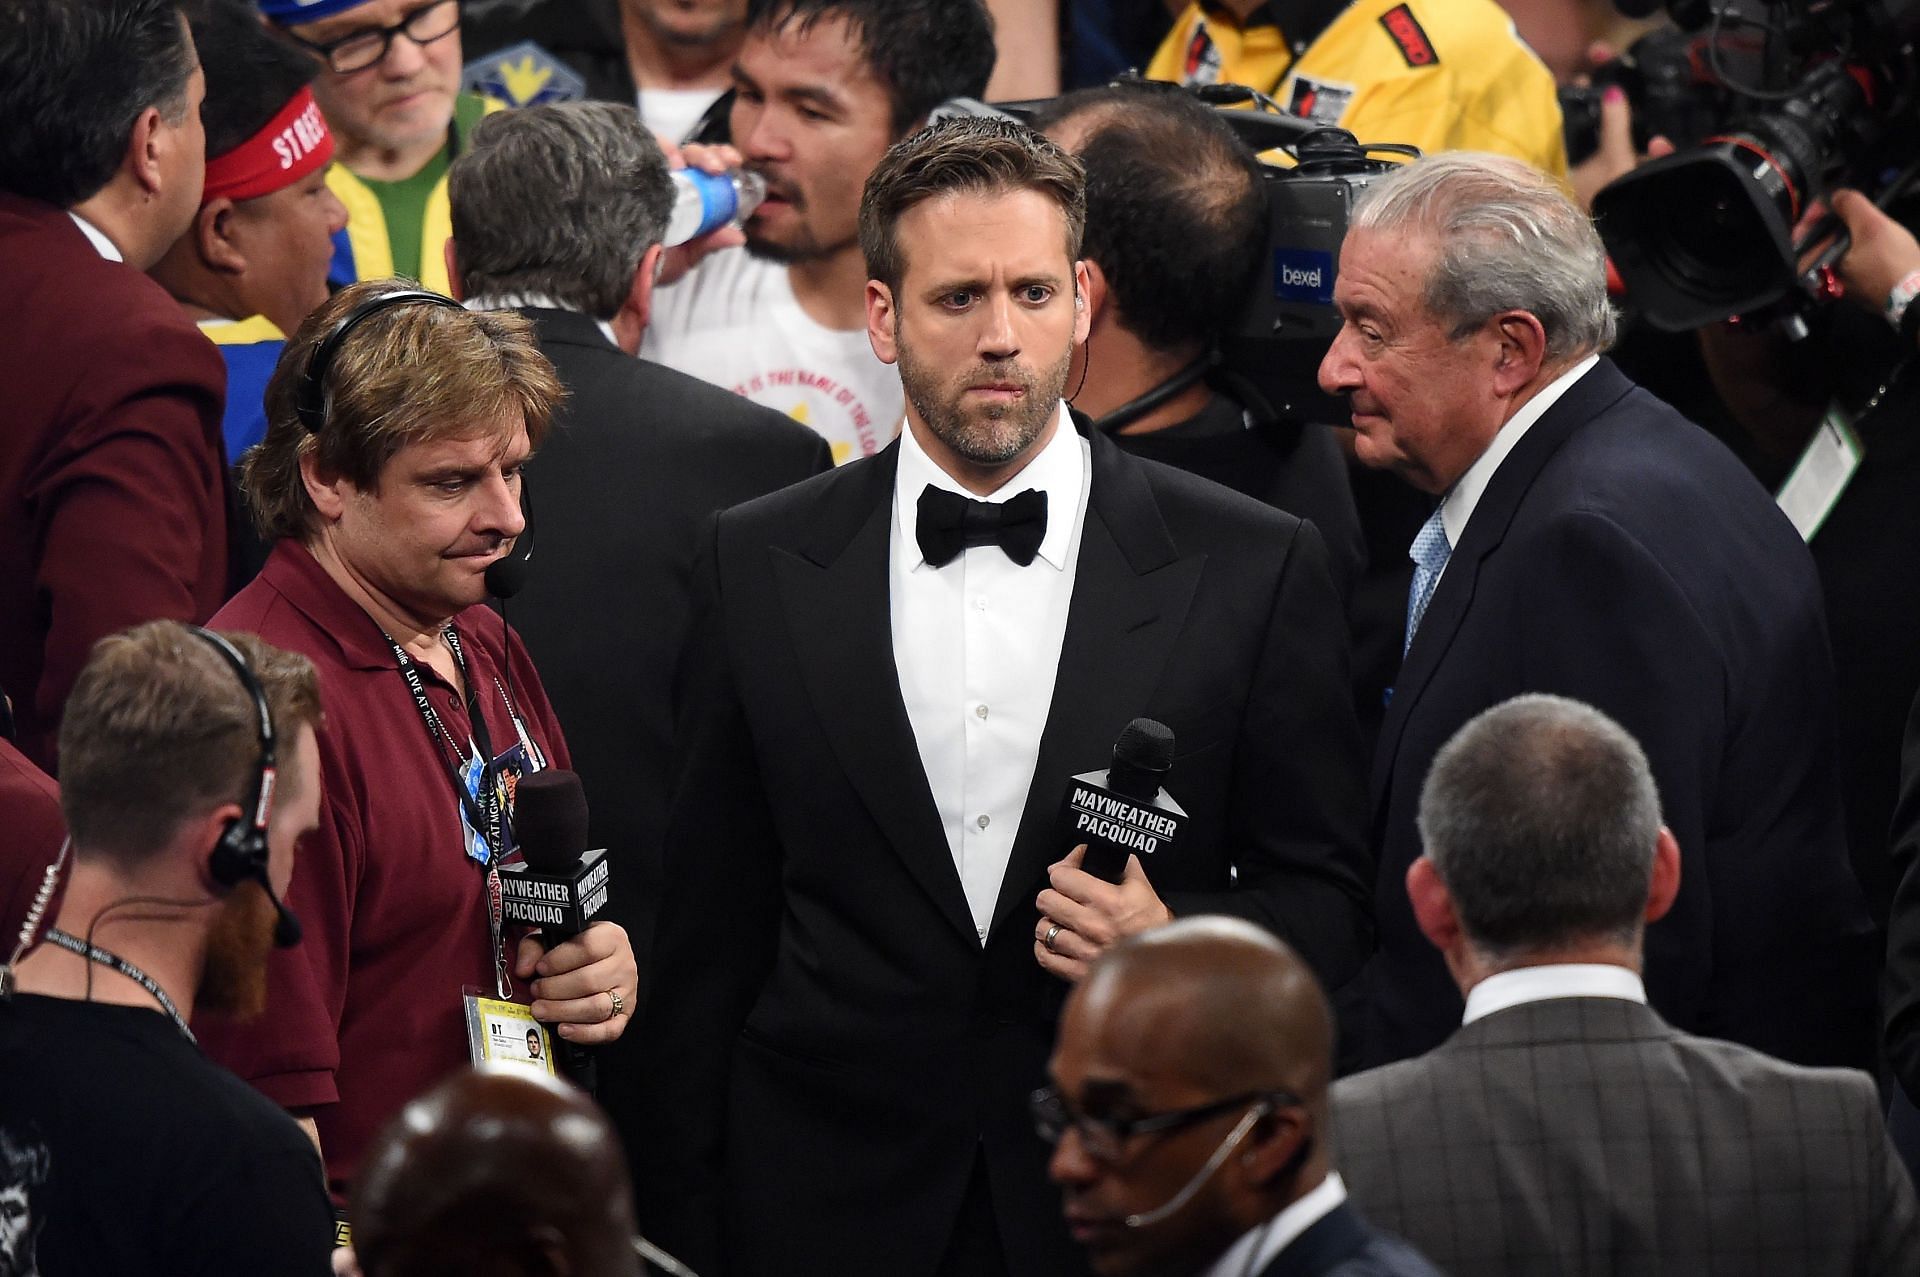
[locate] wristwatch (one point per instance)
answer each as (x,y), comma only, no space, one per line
(1900,309)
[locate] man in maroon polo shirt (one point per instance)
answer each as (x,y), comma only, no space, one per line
(387,491)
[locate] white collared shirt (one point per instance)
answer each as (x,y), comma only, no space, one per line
(532,301)
(98,238)
(1457,506)
(977,646)
(1258,1247)
(1553,980)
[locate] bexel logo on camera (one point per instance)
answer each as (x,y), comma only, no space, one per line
(1303,275)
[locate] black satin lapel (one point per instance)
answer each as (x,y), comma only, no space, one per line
(1121,628)
(843,632)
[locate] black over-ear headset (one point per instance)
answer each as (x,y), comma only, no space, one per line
(242,850)
(310,396)
(505,577)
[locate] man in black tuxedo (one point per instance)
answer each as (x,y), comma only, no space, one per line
(558,212)
(869,915)
(1590,541)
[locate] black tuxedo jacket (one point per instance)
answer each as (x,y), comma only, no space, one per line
(622,492)
(1622,556)
(831,1046)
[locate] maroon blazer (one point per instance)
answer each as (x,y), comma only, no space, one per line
(113,506)
(30,817)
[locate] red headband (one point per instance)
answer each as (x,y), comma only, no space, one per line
(293,144)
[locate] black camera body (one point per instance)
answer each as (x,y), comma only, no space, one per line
(1270,354)
(1825,97)
(1669,85)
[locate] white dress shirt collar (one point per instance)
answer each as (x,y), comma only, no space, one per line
(1555,980)
(1058,469)
(1457,507)
(533,301)
(1258,1247)
(97,237)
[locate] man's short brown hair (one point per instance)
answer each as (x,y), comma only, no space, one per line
(159,728)
(408,374)
(971,155)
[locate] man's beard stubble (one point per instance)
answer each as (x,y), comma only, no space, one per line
(992,434)
(234,980)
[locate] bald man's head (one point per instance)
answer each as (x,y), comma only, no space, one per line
(1225,1003)
(496,1173)
(1216,1021)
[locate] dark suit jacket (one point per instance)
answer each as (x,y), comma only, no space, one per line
(1901,983)
(623,491)
(1587,1136)
(1342,1243)
(830,1046)
(1621,556)
(113,498)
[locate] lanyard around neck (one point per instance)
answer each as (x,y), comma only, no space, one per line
(94,953)
(483,813)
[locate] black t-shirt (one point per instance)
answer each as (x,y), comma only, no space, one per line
(1289,466)
(123,1150)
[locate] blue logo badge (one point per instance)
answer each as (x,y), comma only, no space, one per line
(1303,275)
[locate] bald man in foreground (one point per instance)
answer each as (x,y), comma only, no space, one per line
(1189,1114)
(497,1172)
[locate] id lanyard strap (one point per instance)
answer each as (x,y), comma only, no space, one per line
(483,813)
(94,953)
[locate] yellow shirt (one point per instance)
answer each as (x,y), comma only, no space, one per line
(1443,75)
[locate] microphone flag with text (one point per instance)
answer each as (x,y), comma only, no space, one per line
(558,885)
(1124,811)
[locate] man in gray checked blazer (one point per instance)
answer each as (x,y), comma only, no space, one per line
(1565,1128)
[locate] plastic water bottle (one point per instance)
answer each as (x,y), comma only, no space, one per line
(704,202)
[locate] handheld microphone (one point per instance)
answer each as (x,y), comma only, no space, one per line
(506,576)
(559,885)
(1123,811)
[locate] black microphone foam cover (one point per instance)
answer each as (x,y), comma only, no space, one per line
(286,927)
(550,819)
(506,577)
(1141,758)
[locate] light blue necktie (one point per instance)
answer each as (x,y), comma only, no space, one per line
(1429,554)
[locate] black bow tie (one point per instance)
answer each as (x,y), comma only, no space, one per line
(949,523)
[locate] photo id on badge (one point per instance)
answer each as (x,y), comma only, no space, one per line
(500,1032)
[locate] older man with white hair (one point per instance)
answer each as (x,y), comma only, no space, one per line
(1589,541)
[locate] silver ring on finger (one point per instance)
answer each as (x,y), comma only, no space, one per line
(619,1004)
(1047,940)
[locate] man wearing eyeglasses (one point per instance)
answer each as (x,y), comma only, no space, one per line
(391,95)
(1188,1114)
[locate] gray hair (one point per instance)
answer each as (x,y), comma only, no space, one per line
(1509,239)
(1541,815)
(561,200)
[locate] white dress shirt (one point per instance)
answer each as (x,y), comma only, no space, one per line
(1258,1248)
(1554,980)
(977,646)
(97,237)
(1457,506)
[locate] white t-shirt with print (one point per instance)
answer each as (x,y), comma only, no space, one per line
(735,322)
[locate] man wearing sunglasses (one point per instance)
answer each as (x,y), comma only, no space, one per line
(391,95)
(1188,1114)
